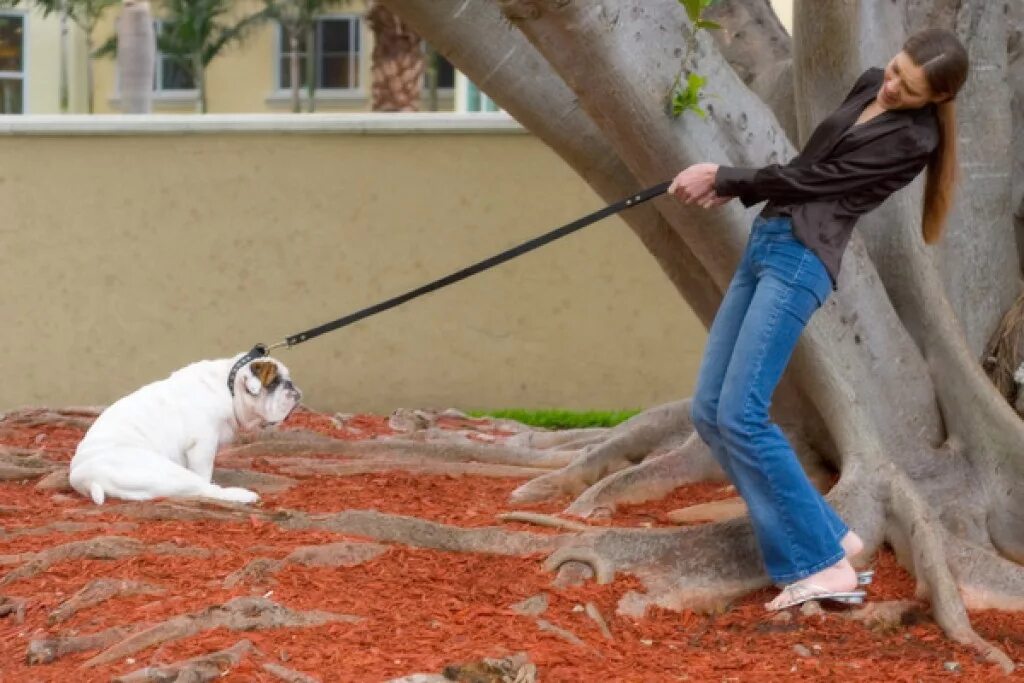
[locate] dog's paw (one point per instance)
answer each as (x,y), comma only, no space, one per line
(236,494)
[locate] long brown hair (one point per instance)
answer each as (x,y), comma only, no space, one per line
(944,61)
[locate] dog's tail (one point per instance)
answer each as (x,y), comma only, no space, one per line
(96,491)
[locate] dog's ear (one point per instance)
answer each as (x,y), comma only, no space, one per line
(264,370)
(252,384)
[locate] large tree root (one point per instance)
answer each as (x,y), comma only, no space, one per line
(287,675)
(50,649)
(33,417)
(651,433)
(925,533)
(19,464)
(303,443)
(99,548)
(200,669)
(15,606)
(99,591)
(66,528)
(366,523)
(345,554)
(310,466)
(652,479)
(237,614)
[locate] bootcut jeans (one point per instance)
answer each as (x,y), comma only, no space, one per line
(778,285)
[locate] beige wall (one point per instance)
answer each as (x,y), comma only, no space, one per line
(126,256)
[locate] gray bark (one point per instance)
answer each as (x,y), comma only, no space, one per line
(136,57)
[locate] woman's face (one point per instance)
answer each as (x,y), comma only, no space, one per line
(905,86)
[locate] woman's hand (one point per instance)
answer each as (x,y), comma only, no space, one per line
(696,185)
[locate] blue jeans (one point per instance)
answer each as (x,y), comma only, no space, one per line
(778,285)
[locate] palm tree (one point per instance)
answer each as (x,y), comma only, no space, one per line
(194,32)
(398,61)
(136,57)
(298,19)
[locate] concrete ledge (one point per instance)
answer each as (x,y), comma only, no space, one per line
(177,124)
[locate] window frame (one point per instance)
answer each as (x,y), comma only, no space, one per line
(280,94)
(159,91)
(23,74)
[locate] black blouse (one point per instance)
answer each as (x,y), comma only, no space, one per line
(845,170)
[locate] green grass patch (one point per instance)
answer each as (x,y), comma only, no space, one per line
(560,419)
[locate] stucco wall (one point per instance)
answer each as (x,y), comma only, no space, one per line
(129,254)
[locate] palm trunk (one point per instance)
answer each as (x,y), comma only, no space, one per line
(136,58)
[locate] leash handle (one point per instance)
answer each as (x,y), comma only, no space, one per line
(498,259)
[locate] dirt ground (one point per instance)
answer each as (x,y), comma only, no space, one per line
(406,609)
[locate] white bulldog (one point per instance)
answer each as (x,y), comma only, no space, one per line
(162,439)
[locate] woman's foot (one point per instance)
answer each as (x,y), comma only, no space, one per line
(852,545)
(838,580)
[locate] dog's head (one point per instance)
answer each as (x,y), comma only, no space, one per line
(264,393)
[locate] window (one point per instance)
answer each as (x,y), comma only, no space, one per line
(12,63)
(170,75)
(445,70)
(336,47)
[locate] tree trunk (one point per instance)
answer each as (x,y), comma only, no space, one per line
(293,70)
(136,58)
(397,63)
(927,450)
(311,67)
(199,72)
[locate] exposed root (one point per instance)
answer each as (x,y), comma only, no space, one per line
(288,675)
(888,615)
(50,649)
(198,669)
(18,464)
(345,554)
(918,521)
(261,482)
(564,634)
(99,548)
(715,511)
(302,443)
(541,519)
(366,523)
(651,433)
(75,418)
(67,528)
(515,669)
(595,614)
(603,569)
(652,479)
(57,480)
(238,614)
(311,466)
(98,591)
(11,605)
(562,440)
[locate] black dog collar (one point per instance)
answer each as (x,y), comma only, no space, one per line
(258,351)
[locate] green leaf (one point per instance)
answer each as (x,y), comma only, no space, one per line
(688,99)
(693,8)
(709,25)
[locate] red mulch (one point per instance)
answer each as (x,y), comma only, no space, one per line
(423,609)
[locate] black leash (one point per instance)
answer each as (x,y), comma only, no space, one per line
(261,350)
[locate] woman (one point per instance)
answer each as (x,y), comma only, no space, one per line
(894,123)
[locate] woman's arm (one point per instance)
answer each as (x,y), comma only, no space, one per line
(902,152)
